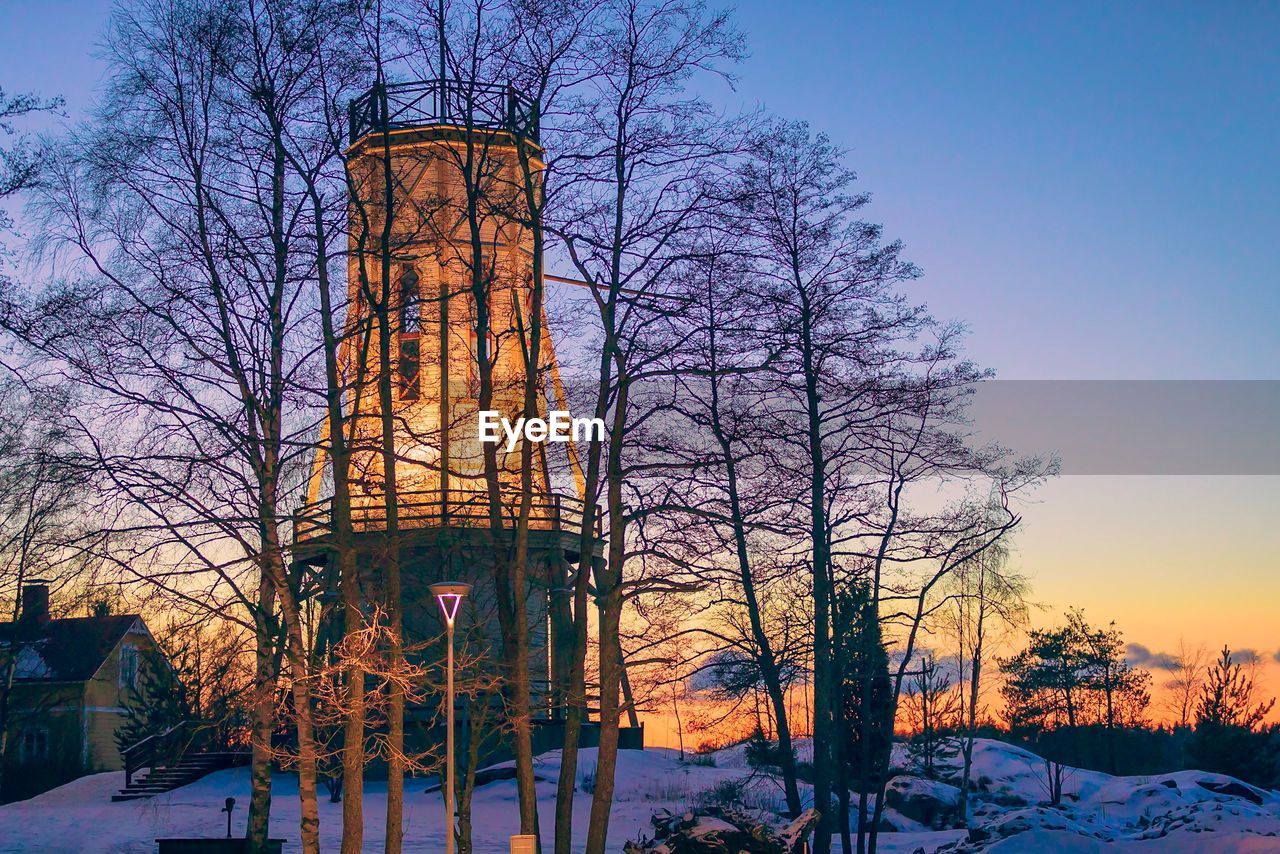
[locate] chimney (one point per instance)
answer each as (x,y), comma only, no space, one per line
(35,602)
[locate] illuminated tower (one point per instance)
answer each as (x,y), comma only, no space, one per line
(414,144)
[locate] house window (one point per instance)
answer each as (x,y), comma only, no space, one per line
(410,333)
(128,667)
(35,744)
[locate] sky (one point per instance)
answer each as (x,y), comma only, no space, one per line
(1091,187)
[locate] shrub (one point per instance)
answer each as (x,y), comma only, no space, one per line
(763,753)
(587,779)
(725,793)
(667,788)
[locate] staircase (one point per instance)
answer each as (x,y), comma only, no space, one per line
(188,768)
(172,759)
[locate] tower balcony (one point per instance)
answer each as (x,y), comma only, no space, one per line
(549,513)
(423,103)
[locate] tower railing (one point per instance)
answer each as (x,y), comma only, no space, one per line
(395,106)
(428,509)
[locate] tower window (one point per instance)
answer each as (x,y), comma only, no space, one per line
(410,303)
(410,330)
(410,364)
(488,270)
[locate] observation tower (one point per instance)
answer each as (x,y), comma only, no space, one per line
(439,171)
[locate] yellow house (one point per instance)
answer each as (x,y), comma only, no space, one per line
(65,686)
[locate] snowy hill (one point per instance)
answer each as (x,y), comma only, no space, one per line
(1185,811)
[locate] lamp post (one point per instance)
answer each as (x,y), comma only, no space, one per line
(449,594)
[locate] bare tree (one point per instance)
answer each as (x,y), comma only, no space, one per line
(989,600)
(20,160)
(932,708)
(724,472)
(188,315)
(828,279)
(635,181)
(41,528)
(1187,672)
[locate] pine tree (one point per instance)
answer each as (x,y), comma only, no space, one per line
(1229,737)
(1226,700)
(860,650)
(1072,676)
(865,714)
(933,708)
(156,702)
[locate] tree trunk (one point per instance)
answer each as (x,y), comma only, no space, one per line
(263,719)
(391,505)
(309,819)
(824,692)
(576,708)
(339,451)
(975,683)
(609,584)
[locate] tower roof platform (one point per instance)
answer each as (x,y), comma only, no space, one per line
(448,103)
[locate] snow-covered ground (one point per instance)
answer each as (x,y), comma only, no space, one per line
(1183,812)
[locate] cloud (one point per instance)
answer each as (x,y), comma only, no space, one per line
(1137,655)
(1245,656)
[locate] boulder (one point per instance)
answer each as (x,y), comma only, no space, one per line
(714,831)
(1233,789)
(932,804)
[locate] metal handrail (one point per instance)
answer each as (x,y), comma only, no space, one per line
(548,511)
(149,751)
(470,104)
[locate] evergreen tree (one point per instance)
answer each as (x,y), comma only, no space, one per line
(932,707)
(1072,684)
(1071,676)
(866,691)
(156,701)
(865,712)
(1045,682)
(1229,737)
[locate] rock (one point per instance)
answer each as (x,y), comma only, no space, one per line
(1232,788)
(928,802)
(714,831)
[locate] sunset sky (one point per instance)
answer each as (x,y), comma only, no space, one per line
(1093,188)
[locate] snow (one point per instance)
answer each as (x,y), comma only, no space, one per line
(80,816)
(1181,812)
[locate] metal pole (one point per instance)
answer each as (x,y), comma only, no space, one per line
(443,69)
(448,803)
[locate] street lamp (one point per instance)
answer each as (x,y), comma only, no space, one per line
(449,594)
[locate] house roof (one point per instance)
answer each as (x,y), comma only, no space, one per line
(65,650)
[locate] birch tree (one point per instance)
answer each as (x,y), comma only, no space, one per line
(642,148)
(186,311)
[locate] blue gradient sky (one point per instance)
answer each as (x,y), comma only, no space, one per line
(1093,187)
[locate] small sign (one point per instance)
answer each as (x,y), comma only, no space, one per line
(524,843)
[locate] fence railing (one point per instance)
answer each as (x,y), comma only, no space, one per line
(548,511)
(393,106)
(161,748)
